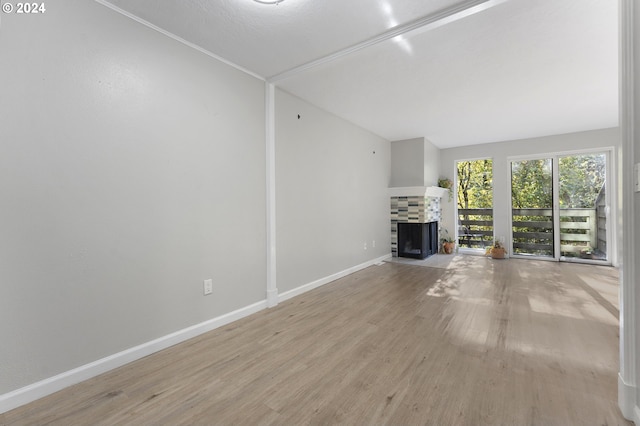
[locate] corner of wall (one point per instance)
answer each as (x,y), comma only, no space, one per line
(431,163)
(627,401)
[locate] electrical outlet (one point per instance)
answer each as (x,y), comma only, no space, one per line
(365,246)
(208,286)
(374,244)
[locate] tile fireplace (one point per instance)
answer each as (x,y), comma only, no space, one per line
(420,206)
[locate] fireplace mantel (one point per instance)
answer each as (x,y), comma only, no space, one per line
(418,191)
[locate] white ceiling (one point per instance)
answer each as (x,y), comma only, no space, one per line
(518,69)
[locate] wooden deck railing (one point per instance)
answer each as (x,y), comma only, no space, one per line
(475,228)
(533,230)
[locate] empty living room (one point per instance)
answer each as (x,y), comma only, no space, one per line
(301,212)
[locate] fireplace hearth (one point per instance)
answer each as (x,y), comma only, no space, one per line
(417,240)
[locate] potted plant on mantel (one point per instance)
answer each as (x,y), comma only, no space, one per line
(447,184)
(448,243)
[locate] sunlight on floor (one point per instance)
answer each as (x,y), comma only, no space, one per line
(528,307)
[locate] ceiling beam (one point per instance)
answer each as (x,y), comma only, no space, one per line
(426,23)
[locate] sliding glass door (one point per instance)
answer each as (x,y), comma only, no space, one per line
(583,207)
(532,207)
(560,207)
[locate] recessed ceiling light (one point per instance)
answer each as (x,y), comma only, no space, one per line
(268,1)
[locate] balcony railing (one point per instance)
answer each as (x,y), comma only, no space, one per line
(475,228)
(581,231)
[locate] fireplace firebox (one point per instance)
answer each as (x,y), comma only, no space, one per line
(417,240)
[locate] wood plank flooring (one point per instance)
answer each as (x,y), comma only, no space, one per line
(482,342)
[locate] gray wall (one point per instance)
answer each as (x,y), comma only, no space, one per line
(331,192)
(431,164)
(131,168)
(414,162)
(407,163)
(500,151)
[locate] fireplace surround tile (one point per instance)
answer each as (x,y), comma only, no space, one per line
(412,209)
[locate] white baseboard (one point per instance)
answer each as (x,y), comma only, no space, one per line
(40,389)
(322,281)
(627,401)
(272,297)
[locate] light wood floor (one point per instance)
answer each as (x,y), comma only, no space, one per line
(480,342)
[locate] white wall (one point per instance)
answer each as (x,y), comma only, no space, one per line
(629,201)
(131,168)
(331,192)
(500,151)
(634,306)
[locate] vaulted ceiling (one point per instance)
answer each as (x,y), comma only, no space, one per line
(455,72)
